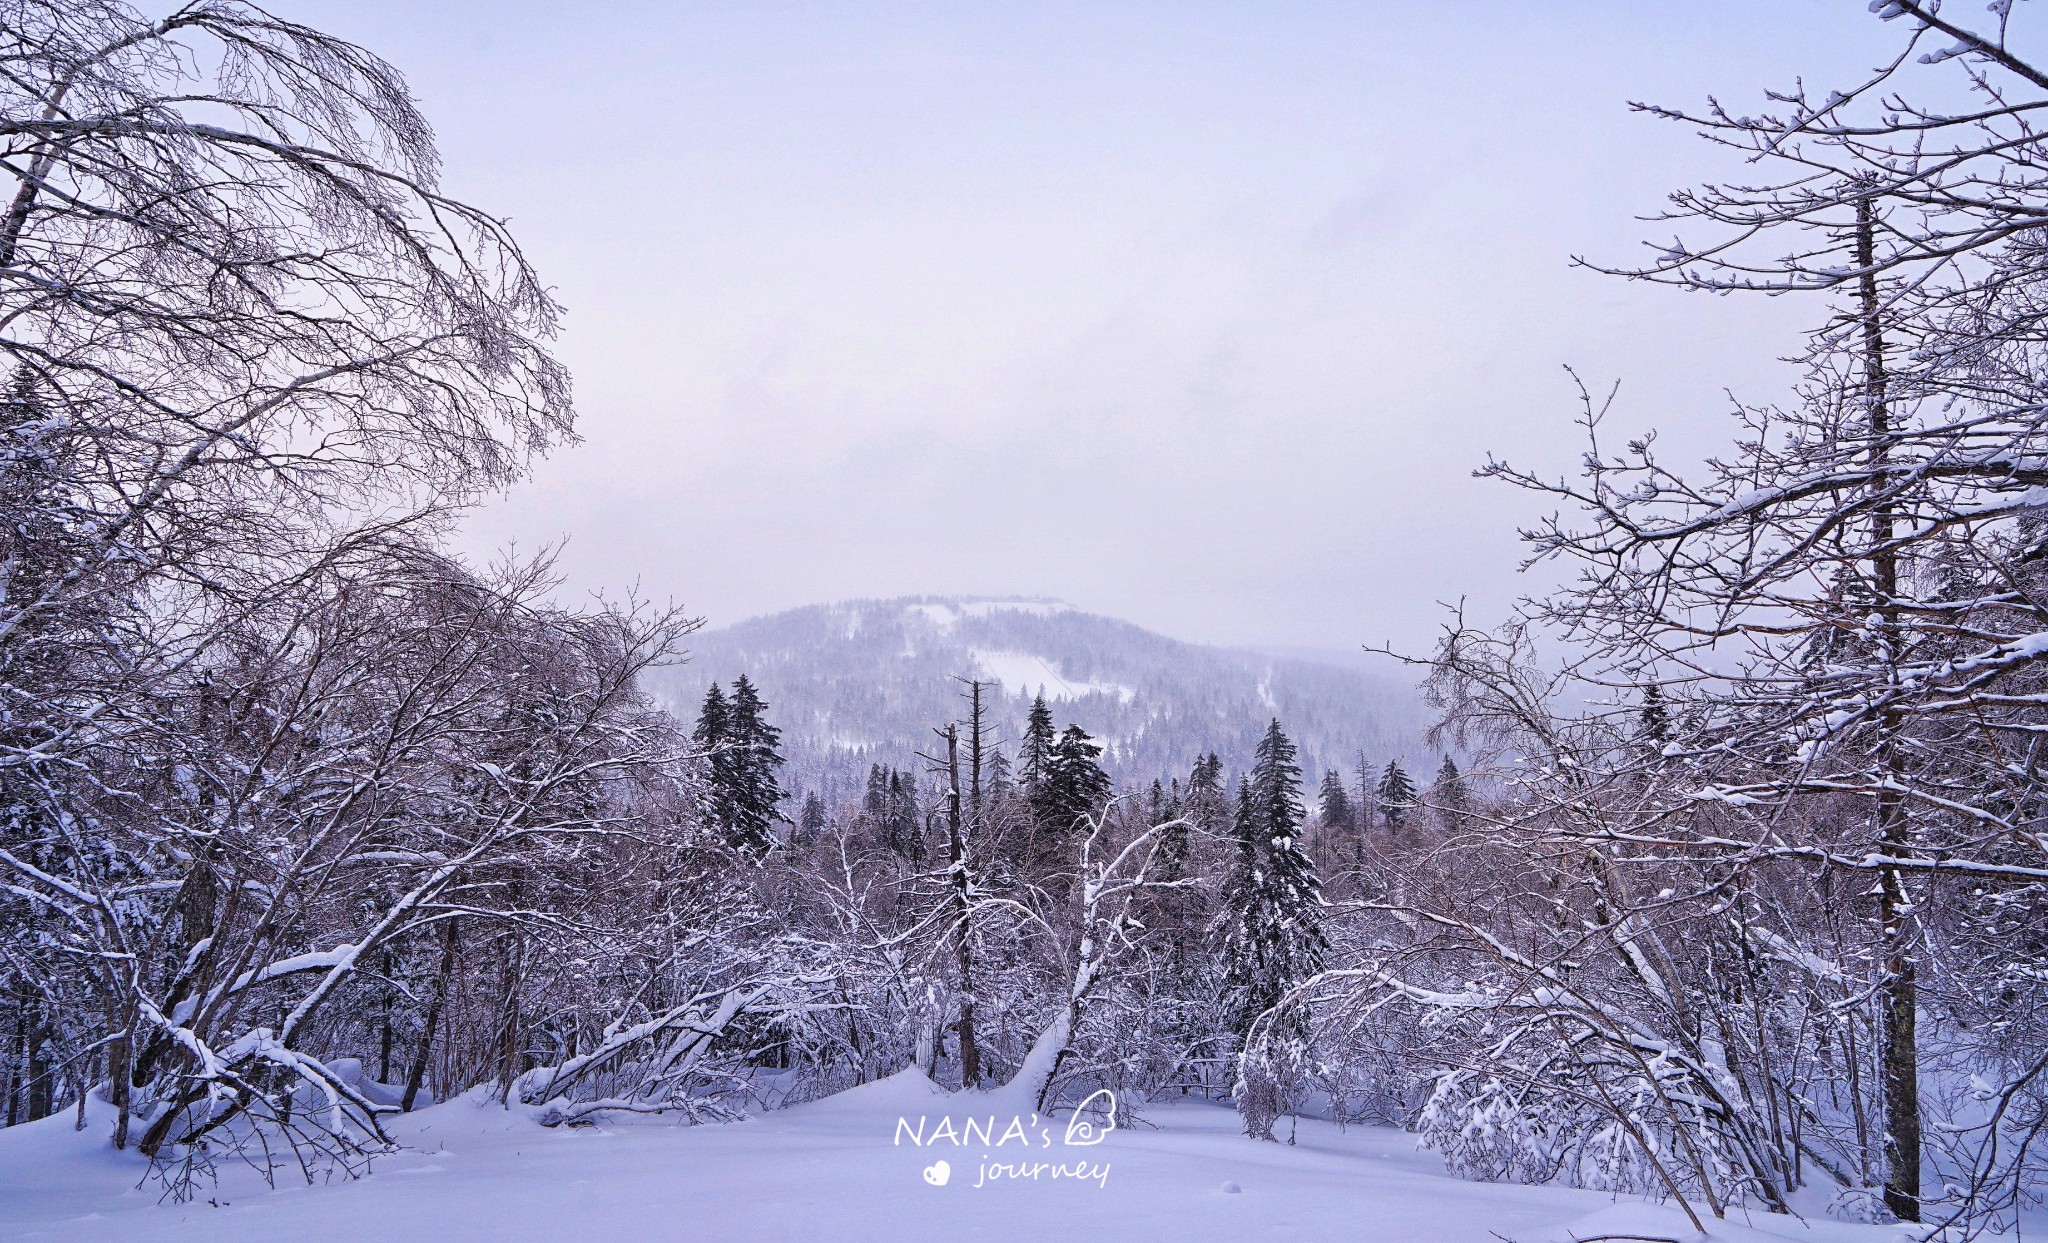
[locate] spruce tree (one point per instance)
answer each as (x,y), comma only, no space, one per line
(874,803)
(713,738)
(1272,898)
(811,820)
(1449,794)
(1336,809)
(1246,941)
(1293,891)
(1204,804)
(1075,785)
(755,771)
(1656,718)
(743,756)
(903,829)
(1000,786)
(1035,757)
(1162,808)
(1397,796)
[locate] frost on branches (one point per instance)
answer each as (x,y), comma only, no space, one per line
(1771,913)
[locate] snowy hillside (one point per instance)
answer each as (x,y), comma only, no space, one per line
(841,1169)
(865,681)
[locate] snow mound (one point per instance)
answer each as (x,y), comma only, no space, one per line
(908,1090)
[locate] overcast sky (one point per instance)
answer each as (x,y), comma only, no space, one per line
(1195,315)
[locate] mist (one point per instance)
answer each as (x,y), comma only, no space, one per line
(1199,316)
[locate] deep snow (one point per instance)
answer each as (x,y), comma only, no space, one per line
(478,1173)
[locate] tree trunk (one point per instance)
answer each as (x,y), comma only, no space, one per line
(963,940)
(384,1026)
(1899,995)
(435,1004)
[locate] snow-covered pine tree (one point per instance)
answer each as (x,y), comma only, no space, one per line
(756,795)
(1035,757)
(1293,891)
(811,820)
(1335,811)
(713,739)
(1075,785)
(744,760)
(1244,942)
(897,814)
(1272,897)
(1277,933)
(1396,795)
(1000,785)
(1449,795)
(1656,716)
(1205,805)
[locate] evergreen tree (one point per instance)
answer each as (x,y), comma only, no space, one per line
(1336,811)
(713,738)
(1246,937)
(1204,804)
(901,817)
(1036,755)
(874,803)
(889,809)
(1396,794)
(811,820)
(1075,785)
(1000,786)
(1293,890)
(1449,793)
(1657,718)
(756,790)
(1164,808)
(1272,898)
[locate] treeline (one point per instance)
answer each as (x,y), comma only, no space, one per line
(958,893)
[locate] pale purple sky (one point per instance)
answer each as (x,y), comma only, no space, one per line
(1197,315)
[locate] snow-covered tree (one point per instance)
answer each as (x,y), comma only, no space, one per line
(1074,785)
(1335,811)
(1273,938)
(1395,795)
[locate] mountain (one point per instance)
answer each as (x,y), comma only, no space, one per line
(865,682)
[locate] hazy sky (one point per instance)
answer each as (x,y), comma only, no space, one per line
(1197,315)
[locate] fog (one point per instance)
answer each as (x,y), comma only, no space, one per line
(1199,316)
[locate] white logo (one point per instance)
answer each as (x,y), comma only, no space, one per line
(1090,1125)
(1081,1132)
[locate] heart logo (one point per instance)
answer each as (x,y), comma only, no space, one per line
(937,1173)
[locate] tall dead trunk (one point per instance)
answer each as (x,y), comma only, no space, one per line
(963,940)
(1899,993)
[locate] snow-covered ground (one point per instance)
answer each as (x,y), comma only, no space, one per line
(1022,673)
(839,1169)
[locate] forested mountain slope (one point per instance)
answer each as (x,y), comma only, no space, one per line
(864,682)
